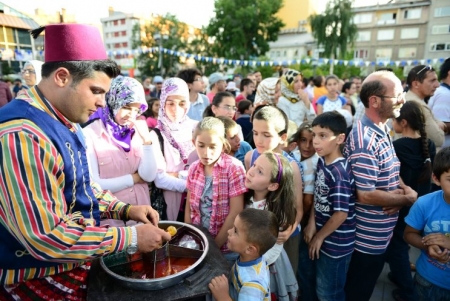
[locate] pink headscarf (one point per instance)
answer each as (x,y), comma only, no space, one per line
(178,134)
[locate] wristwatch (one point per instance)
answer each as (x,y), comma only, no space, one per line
(133,247)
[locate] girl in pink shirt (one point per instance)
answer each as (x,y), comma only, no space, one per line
(119,147)
(215,183)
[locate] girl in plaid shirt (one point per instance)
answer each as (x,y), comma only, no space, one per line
(215,184)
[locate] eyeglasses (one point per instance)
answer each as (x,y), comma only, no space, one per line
(400,97)
(25,71)
(229,108)
(425,68)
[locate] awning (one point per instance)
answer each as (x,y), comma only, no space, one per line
(16,22)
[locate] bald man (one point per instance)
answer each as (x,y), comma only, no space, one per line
(380,191)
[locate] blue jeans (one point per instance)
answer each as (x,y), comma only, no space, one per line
(398,258)
(331,276)
(362,275)
(306,274)
(427,291)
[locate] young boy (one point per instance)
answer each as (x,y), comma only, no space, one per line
(428,228)
(254,233)
(238,148)
(331,228)
(245,110)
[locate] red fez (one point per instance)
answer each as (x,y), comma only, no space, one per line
(72,42)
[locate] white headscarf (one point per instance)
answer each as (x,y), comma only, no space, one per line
(37,65)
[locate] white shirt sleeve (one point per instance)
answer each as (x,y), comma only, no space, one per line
(168,182)
(272,255)
(147,167)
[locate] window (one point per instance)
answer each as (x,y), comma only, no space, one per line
(116,22)
(361,54)
(387,34)
(439,46)
(10,36)
(117,45)
(116,34)
(413,13)
(363,36)
(440,29)
(407,52)
(383,53)
(125,44)
(442,11)
(362,18)
(123,33)
(24,37)
(122,22)
(409,33)
(388,16)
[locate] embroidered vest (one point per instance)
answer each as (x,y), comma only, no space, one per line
(77,190)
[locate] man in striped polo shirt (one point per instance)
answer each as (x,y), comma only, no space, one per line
(380,191)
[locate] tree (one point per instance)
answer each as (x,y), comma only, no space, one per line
(334,30)
(166,31)
(242,29)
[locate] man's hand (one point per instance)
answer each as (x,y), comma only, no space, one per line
(219,288)
(410,194)
(150,237)
(144,214)
(314,247)
(392,210)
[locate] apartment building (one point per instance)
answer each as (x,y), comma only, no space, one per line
(393,31)
(438,34)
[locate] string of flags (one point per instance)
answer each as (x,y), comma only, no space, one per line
(25,55)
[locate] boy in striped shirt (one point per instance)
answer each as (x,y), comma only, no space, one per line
(331,229)
(254,233)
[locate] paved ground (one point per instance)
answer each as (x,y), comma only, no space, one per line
(384,287)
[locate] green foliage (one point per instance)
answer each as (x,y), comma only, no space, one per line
(174,34)
(6,69)
(334,30)
(243,28)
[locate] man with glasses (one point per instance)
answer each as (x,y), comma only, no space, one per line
(422,82)
(440,101)
(199,102)
(380,191)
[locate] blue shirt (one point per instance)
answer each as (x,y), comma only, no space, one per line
(431,214)
(375,166)
(243,149)
(250,280)
(335,191)
(197,108)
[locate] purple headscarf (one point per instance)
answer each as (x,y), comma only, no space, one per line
(124,90)
(179,134)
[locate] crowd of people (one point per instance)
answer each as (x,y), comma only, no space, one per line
(308,186)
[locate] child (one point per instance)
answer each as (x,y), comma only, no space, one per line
(331,228)
(271,187)
(245,108)
(332,100)
(215,183)
(416,154)
(428,229)
(269,134)
(238,148)
(254,232)
(223,104)
(308,161)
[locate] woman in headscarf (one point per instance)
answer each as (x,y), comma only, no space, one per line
(119,147)
(294,101)
(176,130)
(31,72)
(268,91)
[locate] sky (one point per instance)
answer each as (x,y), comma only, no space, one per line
(194,12)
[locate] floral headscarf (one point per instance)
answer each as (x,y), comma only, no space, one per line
(179,134)
(266,90)
(123,91)
(287,85)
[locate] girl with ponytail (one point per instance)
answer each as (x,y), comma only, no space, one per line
(416,154)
